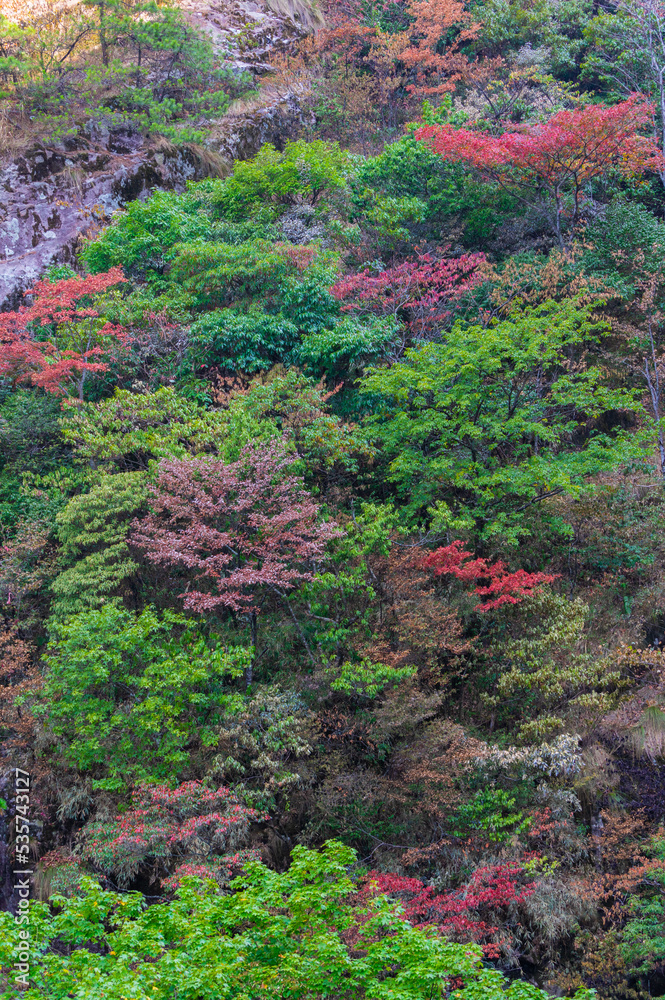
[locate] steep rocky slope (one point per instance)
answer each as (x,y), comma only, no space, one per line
(54,193)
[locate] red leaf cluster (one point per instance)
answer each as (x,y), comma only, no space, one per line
(422,289)
(236,528)
(55,308)
(436,71)
(412,60)
(467,913)
(222,869)
(567,151)
(164,821)
(503,587)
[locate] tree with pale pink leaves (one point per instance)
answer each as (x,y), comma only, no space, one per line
(236,532)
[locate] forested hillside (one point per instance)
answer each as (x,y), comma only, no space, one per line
(332,493)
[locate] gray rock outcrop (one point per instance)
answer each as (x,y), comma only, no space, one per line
(52,195)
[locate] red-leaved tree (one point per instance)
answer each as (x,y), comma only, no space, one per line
(56,342)
(168,824)
(422,291)
(560,156)
(502,587)
(435,68)
(475,912)
(239,531)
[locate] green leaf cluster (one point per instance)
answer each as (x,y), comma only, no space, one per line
(127,695)
(487,420)
(276,936)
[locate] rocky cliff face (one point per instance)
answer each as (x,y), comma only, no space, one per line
(52,195)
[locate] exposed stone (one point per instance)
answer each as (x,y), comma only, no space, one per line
(50,197)
(47,201)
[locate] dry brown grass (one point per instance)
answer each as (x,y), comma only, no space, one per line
(17,133)
(20,10)
(302,12)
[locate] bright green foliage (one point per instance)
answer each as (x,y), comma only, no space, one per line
(407,179)
(92,530)
(492,814)
(134,691)
(342,598)
(268,184)
(140,238)
(279,936)
(486,421)
(14,41)
(643,937)
(217,274)
(222,274)
(348,348)
(365,679)
(129,431)
(304,296)
(643,943)
(256,340)
(385,219)
(246,342)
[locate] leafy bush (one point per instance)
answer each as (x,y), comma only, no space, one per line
(245,342)
(263,744)
(443,191)
(134,692)
(140,238)
(455,424)
(95,558)
(627,242)
(346,349)
(268,184)
(366,679)
(221,274)
(130,432)
(301,933)
(490,813)
(171,826)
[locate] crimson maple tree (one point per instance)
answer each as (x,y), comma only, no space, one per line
(471,913)
(560,156)
(239,531)
(502,587)
(423,290)
(57,341)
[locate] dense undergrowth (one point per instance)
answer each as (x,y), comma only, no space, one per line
(73,71)
(331,496)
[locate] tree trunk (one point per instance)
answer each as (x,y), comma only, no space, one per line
(652,378)
(249,672)
(102,34)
